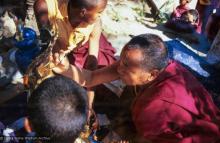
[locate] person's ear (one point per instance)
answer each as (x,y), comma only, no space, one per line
(83,12)
(153,74)
(27,125)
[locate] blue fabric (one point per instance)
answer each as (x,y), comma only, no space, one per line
(18,124)
(28,49)
(205,73)
(29,39)
(24,58)
(11,137)
(181,53)
(7,135)
(91,138)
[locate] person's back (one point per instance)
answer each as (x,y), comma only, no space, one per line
(57,110)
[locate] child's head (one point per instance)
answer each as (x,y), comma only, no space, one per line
(57,109)
(191,16)
(85,11)
(184,2)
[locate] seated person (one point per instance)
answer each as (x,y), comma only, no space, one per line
(213,24)
(179,10)
(186,23)
(57,110)
(171,106)
(79,29)
(78,25)
(203,7)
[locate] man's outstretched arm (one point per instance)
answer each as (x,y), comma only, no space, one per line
(89,78)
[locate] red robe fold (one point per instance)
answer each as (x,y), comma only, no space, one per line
(176,108)
(105,55)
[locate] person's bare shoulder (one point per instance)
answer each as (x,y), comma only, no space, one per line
(39,5)
(41,12)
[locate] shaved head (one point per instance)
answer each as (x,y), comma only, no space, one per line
(87,4)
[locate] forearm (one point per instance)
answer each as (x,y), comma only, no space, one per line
(90,78)
(94,45)
(93,51)
(103,75)
(91,96)
(92,58)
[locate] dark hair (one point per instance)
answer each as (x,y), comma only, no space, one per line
(88,4)
(194,13)
(189,1)
(57,109)
(154,51)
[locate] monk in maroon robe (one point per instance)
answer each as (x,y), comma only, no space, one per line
(170,105)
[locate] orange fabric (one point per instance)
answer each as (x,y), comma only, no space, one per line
(57,13)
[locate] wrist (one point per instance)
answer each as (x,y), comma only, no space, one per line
(90,106)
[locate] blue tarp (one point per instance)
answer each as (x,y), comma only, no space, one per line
(204,72)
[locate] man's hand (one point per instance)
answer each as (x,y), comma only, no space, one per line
(123,142)
(60,64)
(60,50)
(92,120)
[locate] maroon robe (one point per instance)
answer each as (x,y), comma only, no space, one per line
(105,55)
(176,108)
(179,11)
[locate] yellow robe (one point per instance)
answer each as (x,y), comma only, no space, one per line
(58,17)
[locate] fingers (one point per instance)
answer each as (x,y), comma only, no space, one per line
(89,114)
(95,125)
(56,59)
(62,67)
(51,57)
(70,48)
(92,120)
(123,142)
